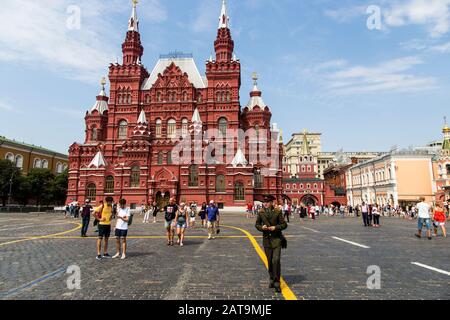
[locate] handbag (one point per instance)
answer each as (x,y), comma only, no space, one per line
(282,237)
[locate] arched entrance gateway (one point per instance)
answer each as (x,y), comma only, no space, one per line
(309,200)
(162,200)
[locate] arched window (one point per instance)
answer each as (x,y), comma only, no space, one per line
(184,127)
(171,128)
(9,156)
(19,161)
(119,99)
(258,178)
(199,97)
(59,167)
(148,98)
(94,134)
(218,96)
(123,129)
(185,96)
(109,184)
(169,157)
(160,158)
(158,96)
(158,130)
(135,177)
(228,96)
(91,191)
(220,183)
(193,176)
(239,191)
(44,164)
(223,124)
(129,98)
(37,163)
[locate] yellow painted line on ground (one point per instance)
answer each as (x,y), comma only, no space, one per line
(285,290)
(79,225)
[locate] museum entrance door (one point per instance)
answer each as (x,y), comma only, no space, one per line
(162,200)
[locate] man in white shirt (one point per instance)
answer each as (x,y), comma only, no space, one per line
(121,230)
(365,214)
(424,218)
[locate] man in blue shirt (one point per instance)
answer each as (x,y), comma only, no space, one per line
(213,219)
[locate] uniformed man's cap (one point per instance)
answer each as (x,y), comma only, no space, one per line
(268,198)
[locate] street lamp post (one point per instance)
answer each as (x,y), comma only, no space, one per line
(10,190)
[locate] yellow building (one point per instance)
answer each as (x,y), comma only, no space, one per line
(27,156)
(398,178)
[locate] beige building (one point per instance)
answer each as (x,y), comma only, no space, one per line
(309,143)
(27,156)
(398,178)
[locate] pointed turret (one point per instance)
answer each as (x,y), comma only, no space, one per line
(224,19)
(142,118)
(141,131)
(98,161)
(256,95)
(133,24)
(101,105)
(305,145)
(196,116)
(224,44)
(132,48)
(239,159)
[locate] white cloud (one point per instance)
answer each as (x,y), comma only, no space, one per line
(390,76)
(433,14)
(346,14)
(37,32)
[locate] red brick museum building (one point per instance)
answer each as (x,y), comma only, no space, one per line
(133,137)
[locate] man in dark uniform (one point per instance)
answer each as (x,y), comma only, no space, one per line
(271,223)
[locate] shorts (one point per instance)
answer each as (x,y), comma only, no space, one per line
(192,219)
(168,224)
(426,221)
(104,231)
(155,213)
(181,225)
(121,233)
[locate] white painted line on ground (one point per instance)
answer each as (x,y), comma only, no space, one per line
(32,225)
(431,268)
(310,229)
(351,242)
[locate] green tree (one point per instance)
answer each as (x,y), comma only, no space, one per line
(23,192)
(7,171)
(59,188)
(40,181)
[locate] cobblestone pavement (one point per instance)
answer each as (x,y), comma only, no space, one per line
(35,252)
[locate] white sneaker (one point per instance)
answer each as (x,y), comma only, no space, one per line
(116,256)
(181,244)
(123,257)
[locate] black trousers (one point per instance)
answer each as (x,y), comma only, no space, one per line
(274,259)
(370,218)
(365,217)
(85,226)
(286,215)
(376,219)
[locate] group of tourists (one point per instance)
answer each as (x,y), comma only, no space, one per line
(177,218)
(430,217)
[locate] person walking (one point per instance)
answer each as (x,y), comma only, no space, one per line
(439,220)
(423,218)
(249,210)
(213,219)
(155,209)
(365,214)
(103,215)
(146,213)
(169,215)
(286,212)
(202,214)
(121,229)
(85,218)
(181,218)
(271,223)
(376,216)
(192,214)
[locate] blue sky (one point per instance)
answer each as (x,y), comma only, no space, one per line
(320,66)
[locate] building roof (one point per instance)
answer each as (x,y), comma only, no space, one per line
(186,64)
(142,119)
(100,105)
(239,159)
(4,140)
(98,161)
(133,24)
(256,96)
